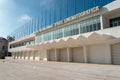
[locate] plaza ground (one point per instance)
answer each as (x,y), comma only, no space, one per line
(42,70)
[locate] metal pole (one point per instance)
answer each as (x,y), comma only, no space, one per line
(75,5)
(34,24)
(60,9)
(42,21)
(45,18)
(50,16)
(83,4)
(67,8)
(55,13)
(30,27)
(38,24)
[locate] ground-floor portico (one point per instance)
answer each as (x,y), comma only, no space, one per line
(88,48)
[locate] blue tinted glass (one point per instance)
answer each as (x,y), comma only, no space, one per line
(89,4)
(79,6)
(61,9)
(71,7)
(64,9)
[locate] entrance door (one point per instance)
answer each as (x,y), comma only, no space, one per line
(116,53)
(77,54)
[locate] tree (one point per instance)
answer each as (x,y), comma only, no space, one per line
(10,38)
(2,56)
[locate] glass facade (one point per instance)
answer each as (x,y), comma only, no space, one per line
(87,25)
(56,12)
(30,42)
(115,22)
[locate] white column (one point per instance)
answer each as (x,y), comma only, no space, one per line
(109,54)
(68,54)
(35,53)
(85,53)
(101,21)
(20,55)
(13,54)
(16,55)
(31,55)
(56,58)
(24,54)
(26,57)
(39,55)
(28,54)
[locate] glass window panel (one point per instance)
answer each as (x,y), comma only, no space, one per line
(81,28)
(119,23)
(87,25)
(94,27)
(98,26)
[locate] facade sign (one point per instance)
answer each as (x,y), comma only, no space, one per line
(77,16)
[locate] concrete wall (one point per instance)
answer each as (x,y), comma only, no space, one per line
(26,57)
(77,54)
(36,56)
(111,6)
(43,54)
(105,22)
(99,53)
(3,46)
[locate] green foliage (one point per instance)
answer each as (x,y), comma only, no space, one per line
(10,38)
(2,56)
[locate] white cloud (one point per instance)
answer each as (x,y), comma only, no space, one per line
(24,18)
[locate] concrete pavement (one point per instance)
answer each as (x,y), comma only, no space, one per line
(42,70)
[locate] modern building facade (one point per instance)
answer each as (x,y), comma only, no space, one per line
(3,47)
(92,36)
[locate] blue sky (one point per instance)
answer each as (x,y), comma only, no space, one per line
(14,13)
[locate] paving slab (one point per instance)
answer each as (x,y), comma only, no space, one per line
(45,70)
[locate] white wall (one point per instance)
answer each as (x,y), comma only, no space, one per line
(31,55)
(36,55)
(43,54)
(105,22)
(112,6)
(26,57)
(99,53)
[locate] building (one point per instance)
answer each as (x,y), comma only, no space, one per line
(92,36)
(3,47)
